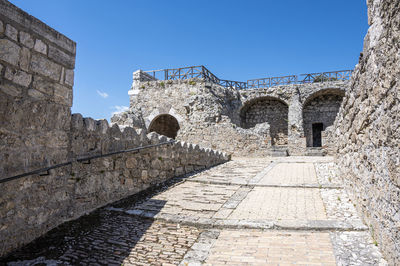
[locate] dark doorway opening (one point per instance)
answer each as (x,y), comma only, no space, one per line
(316,134)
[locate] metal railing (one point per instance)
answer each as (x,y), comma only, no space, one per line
(191,72)
(202,72)
(270,82)
(45,171)
(327,76)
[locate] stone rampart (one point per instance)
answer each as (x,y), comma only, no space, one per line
(368,129)
(33,205)
(38,131)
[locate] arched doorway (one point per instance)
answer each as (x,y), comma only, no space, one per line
(271,110)
(166,125)
(319,112)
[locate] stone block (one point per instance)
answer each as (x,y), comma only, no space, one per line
(19,77)
(61,57)
(41,65)
(38,95)
(63,95)
(69,77)
(77,121)
(11,32)
(145,175)
(102,126)
(9,52)
(40,47)
(131,163)
(89,123)
(1,27)
(10,89)
(153,173)
(24,59)
(26,39)
(53,36)
(44,85)
(179,171)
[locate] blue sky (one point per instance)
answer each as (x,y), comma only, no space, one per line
(236,40)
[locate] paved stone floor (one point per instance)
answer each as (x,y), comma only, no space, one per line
(250,211)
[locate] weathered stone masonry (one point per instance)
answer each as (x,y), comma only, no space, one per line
(249,122)
(37,130)
(37,74)
(368,128)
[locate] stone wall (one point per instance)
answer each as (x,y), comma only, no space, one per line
(227,118)
(368,129)
(321,109)
(206,113)
(36,79)
(266,110)
(33,205)
(37,131)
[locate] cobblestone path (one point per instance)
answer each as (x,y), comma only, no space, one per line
(250,211)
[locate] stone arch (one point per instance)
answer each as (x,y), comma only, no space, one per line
(267,109)
(319,112)
(165,124)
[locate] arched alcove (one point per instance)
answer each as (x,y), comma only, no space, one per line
(271,110)
(319,112)
(166,125)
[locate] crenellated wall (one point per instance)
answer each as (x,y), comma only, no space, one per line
(37,130)
(33,205)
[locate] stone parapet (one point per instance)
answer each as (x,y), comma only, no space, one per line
(68,192)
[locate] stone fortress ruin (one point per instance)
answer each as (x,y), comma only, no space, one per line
(277,116)
(57,166)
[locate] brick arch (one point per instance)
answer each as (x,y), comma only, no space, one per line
(271,110)
(319,112)
(165,124)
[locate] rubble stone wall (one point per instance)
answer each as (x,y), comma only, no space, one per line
(368,129)
(240,122)
(207,114)
(271,111)
(322,109)
(38,131)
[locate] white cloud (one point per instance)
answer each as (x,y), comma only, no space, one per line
(119,109)
(102,94)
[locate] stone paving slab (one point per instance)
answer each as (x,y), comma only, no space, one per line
(281,204)
(290,174)
(237,172)
(271,248)
(189,199)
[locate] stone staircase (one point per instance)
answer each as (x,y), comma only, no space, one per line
(279,151)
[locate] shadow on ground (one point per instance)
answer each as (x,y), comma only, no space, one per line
(102,237)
